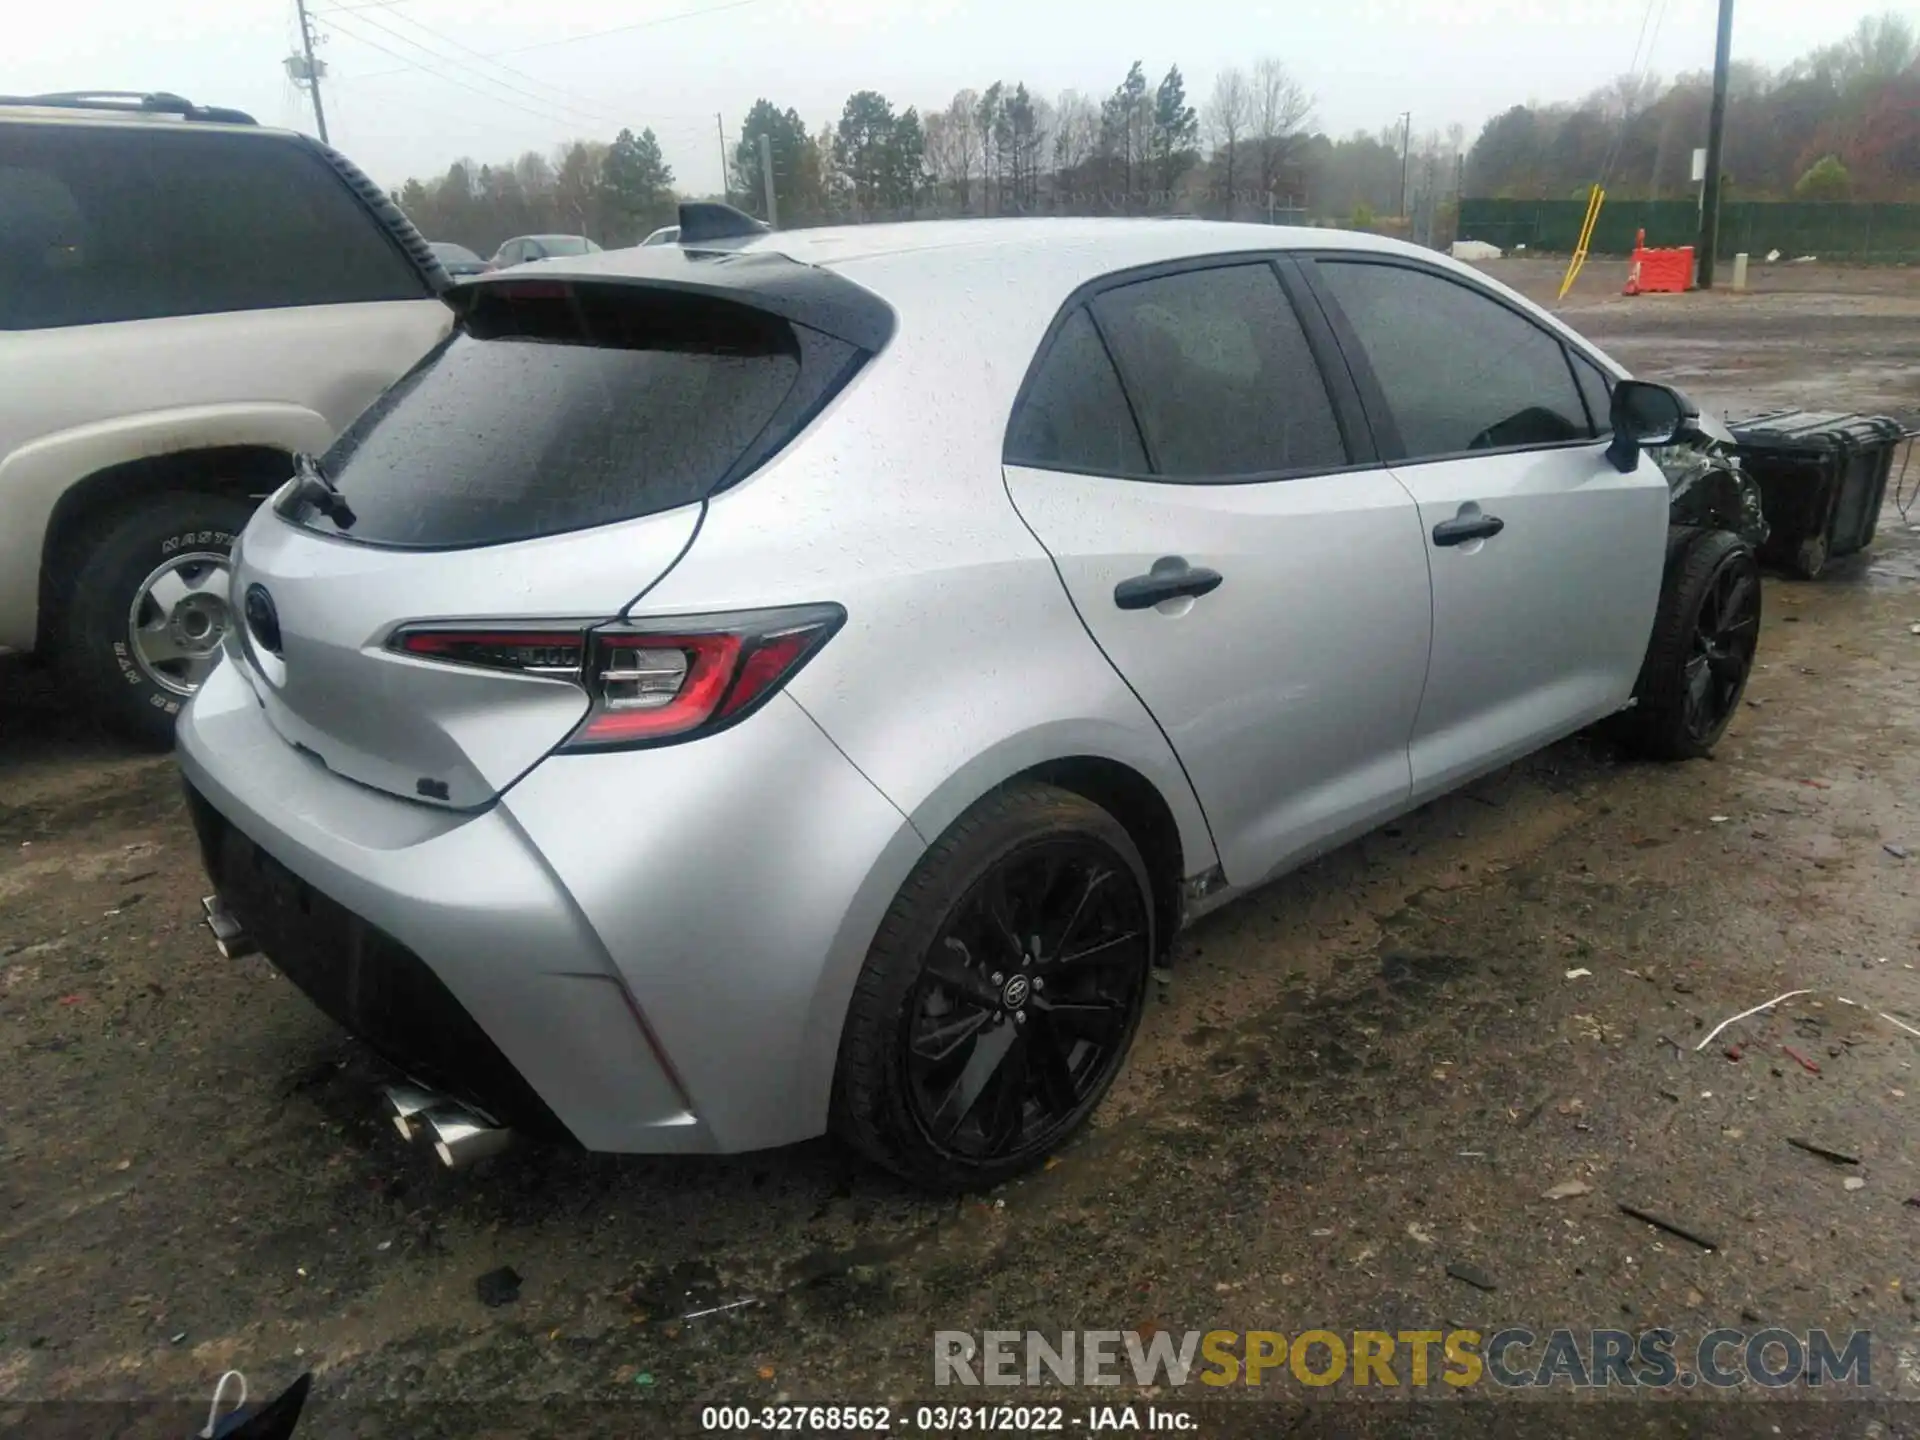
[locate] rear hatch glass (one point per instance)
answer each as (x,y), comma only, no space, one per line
(561,406)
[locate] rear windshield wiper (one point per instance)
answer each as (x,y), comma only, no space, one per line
(312,487)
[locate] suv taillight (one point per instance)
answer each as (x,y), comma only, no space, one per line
(651,682)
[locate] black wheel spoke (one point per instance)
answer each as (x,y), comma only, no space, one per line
(949,966)
(972,1083)
(1094,1020)
(938,1044)
(1100,952)
(997,907)
(1082,908)
(1007,1110)
(1049,1056)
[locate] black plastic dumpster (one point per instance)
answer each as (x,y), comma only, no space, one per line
(1822,478)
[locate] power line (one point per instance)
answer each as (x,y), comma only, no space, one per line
(592,34)
(551,100)
(549,116)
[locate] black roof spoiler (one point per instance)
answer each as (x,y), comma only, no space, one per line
(764,280)
(705,220)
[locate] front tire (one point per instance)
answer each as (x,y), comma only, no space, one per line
(1701,653)
(146,609)
(1001,993)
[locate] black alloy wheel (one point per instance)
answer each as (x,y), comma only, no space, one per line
(1705,632)
(1026,1002)
(1001,993)
(1724,636)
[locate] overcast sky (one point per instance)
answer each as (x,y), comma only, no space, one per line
(552,73)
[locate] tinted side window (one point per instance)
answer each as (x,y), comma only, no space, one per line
(1596,388)
(1221,374)
(1459,370)
(1074,415)
(131,223)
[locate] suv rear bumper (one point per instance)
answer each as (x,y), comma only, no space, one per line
(647,951)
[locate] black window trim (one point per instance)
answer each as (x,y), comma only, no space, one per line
(1349,415)
(1373,399)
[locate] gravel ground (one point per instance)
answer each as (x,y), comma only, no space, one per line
(1368,1073)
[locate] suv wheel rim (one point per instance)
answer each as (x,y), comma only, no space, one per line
(1023,1009)
(178,618)
(1725,632)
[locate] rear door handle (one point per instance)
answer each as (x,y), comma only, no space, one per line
(1462,528)
(1170,578)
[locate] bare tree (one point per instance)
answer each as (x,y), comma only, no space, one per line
(1076,141)
(1281,109)
(1229,113)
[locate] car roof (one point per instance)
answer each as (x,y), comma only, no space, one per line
(1036,261)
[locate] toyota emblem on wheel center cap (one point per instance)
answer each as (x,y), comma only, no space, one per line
(1015,993)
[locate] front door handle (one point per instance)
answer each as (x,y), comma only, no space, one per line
(1170,578)
(1462,528)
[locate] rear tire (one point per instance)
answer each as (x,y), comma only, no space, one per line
(971,1051)
(146,608)
(1701,652)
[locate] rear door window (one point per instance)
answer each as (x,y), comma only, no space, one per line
(1221,375)
(1459,371)
(558,408)
(1074,415)
(133,222)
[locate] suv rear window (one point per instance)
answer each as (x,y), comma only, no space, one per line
(134,222)
(561,407)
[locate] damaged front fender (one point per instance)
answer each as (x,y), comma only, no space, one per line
(1709,489)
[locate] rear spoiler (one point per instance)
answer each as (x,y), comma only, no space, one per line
(762,280)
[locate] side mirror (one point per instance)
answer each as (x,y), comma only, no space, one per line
(1645,414)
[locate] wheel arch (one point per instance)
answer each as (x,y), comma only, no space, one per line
(1143,813)
(249,471)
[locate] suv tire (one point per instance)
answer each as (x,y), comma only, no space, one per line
(1031,871)
(146,607)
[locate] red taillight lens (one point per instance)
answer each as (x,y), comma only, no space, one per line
(649,682)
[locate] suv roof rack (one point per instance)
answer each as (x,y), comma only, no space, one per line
(134,102)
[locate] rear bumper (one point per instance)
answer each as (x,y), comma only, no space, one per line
(648,951)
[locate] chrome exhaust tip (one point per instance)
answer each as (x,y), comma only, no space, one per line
(460,1137)
(229,938)
(408,1104)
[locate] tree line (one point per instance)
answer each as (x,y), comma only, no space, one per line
(1842,123)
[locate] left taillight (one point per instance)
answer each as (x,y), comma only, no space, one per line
(650,682)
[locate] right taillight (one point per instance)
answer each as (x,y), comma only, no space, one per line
(650,682)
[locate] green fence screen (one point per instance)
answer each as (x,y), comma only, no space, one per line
(1867,234)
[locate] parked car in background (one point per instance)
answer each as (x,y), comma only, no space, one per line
(957,609)
(665,235)
(187,300)
(522,248)
(458,261)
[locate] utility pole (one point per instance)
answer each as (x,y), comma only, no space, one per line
(1406,143)
(766,180)
(312,72)
(1716,135)
(726,180)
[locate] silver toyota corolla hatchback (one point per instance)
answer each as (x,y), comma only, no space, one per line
(795,682)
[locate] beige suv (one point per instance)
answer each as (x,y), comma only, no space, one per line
(187,301)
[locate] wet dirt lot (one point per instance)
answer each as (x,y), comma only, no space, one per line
(1348,1083)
